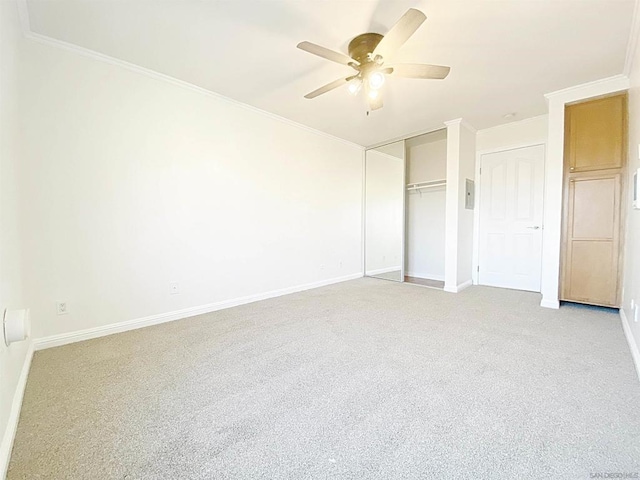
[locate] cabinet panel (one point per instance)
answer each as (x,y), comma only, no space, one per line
(593,278)
(592,239)
(594,203)
(596,134)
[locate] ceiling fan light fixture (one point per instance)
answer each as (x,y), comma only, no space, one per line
(376,80)
(355,86)
(368,53)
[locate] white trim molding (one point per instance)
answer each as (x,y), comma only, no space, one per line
(632,44)
(426,276)
(633,347)
(102,331)
(14,414)
(604,86)
(462,122)
(459,288)
(547,303)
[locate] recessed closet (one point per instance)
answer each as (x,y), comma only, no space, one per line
(405,207)
(418,215)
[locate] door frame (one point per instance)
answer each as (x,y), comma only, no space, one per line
(478,204)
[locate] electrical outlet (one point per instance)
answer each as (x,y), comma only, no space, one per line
(62,308)
(174,288)
(633,304)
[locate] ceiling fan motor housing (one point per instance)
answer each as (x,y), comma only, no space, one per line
(361,46)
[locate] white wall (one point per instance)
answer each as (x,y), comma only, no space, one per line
(451,206)
(12,358)
(530,131)
(467,170)
(383,212)
(631,269)
(132,183)
(426,161)
(461,160)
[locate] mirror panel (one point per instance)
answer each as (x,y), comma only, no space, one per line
(384,212)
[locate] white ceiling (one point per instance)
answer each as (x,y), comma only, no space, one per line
(504,54)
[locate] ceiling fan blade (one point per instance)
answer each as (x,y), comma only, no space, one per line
(418,70)
(326,53)
(328,87)
(400,33)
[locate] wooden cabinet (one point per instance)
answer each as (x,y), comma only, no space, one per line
(595,139)
(595,132)
(593,239)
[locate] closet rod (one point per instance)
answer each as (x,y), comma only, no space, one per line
(421,185)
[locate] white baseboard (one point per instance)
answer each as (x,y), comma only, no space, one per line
(549,303)
(633,346)
(383,270)
(80,335)
(14,414)
(426,276)
(458,288)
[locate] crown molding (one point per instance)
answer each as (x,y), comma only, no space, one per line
(462,122)
(23,10)
(634,36)
(455,121)
(468,126)
(590,89)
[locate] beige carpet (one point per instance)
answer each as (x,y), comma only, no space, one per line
(365,379)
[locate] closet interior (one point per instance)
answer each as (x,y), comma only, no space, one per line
(426,185)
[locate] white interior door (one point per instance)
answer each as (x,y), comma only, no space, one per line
(510,230)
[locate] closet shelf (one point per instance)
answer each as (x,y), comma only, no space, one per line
(423,185)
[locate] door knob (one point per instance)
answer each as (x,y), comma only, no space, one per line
(535,227)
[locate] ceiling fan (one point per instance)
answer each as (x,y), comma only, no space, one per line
(368,53)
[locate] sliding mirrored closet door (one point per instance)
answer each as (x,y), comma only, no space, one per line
(384,212)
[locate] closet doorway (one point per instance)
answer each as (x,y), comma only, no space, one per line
(426,158)
(405,210)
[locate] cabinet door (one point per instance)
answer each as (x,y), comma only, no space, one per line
(596,133)
(593,240)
